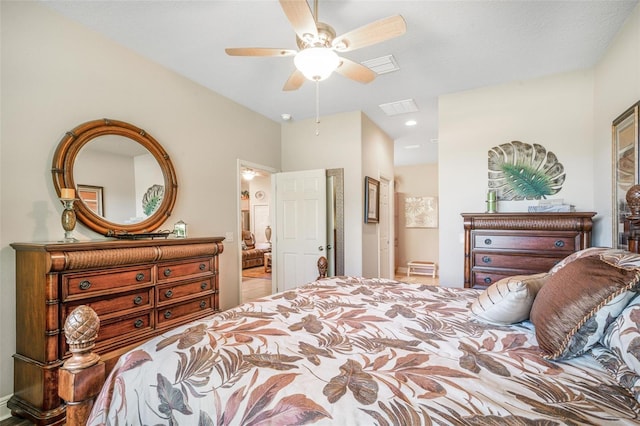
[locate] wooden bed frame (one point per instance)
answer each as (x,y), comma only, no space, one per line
(82,375)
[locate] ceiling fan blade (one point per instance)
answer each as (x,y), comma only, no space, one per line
(355,71)
(259,51)
(372,33)
(294,82)
(301,18)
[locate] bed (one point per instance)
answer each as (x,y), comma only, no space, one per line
(351,350)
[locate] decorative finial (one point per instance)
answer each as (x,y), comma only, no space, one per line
(633,200)
(81,329)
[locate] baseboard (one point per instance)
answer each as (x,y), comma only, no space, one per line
(402,270)
(5,412)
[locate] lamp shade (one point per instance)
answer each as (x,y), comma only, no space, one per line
(316,63)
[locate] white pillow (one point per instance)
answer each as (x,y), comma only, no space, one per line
(509,300)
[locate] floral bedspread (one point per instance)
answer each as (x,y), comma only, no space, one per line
(355,351)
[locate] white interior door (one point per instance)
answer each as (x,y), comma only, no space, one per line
(300,226)
(384,231)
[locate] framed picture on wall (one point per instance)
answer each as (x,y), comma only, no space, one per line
(371,200)
(625,135)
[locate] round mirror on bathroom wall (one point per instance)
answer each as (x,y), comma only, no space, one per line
(123,179)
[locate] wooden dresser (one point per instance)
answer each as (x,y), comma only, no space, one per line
(139,289)
(498,245)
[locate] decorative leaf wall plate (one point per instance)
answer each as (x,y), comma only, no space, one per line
(519,171)
(152,199)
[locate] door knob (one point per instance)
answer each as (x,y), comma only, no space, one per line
(320,248)
(329,247)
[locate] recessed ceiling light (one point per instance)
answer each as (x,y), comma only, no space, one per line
(285,116)
(412,147)
(410,123)
(434,140)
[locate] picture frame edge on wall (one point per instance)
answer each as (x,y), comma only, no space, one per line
(371,200)
(629,119)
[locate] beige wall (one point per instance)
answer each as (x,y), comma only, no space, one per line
(570,114)
(555,112)
(55,75)
(415,243)
(352,142)
(616,88)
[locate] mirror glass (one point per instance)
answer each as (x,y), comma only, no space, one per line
(127,175)
(124,180)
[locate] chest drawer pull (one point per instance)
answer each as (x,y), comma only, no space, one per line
(137,300)
(139,277)
(559,243)
(486,259)
(139,323)
(203,304)
(167,272)
(167,314)
(202,266)
(85,284)
(168,293)
(488,241)
(487,280)
(203,285)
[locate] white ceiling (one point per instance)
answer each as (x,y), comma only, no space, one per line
(449,46)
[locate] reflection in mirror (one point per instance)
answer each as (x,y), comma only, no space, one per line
(128,174)
(123,176)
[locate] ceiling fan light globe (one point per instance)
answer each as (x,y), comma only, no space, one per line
(316,63)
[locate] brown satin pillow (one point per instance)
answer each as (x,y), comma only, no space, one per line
(572,309)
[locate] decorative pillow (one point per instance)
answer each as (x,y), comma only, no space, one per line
(591,251)
(509,300)
(623,336)
(578,302)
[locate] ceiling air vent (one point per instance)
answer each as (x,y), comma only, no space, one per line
(399,107)
(382,65)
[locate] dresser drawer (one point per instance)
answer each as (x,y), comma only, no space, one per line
(170,293)
(483,279)
(198,307)
(172,271)
(113,331)
(560,243)
(527,262)
(116,306)
(76,286)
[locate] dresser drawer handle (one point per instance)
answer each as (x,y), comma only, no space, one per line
(488,241)
(167,272)
(487,280)
(139,323)
(203,304)
(167,314)
(137,300)
(203,285)
(202,266)
(559,243)
(168,293)
(139,277)
(85,284)
(486,259)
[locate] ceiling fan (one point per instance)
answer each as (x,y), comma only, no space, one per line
(316,58)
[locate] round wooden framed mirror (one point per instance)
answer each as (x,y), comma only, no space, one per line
(124,180)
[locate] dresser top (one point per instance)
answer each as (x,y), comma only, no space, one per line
(529,215)
(55,246)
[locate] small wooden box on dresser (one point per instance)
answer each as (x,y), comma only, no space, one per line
(499,245)
(138,288)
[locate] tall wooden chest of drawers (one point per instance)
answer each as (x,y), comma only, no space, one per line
(498,245)
(138,288)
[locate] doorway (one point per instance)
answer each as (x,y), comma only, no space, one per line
(255,233)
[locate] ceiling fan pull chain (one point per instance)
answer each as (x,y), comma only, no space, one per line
(317,107)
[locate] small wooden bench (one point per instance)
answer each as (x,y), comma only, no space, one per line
(421,267)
